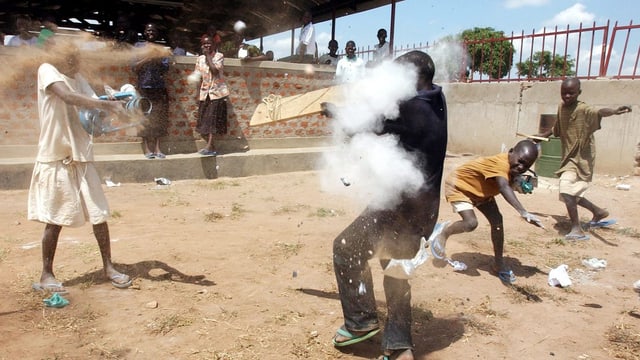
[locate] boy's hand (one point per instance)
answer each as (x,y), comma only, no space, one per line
(532,219)
(623,109)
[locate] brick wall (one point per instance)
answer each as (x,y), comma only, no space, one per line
(249,84)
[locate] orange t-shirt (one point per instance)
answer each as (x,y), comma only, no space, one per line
(475,182)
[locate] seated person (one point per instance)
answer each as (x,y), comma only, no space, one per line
(248,52)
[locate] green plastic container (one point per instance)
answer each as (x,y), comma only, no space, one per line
(551,156)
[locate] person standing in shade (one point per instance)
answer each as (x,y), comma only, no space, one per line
(350,68)
(23,35)
(332,57)
(576,124)
(214,93)
(421,129)
(382,51)
(307,52)
(151,71)
(66,190)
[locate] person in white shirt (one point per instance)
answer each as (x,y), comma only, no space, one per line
(307,52)
(65,188)
(350,68)
(381,52)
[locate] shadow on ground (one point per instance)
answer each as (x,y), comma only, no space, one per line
(146,270)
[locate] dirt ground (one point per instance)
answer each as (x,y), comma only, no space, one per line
(242,269)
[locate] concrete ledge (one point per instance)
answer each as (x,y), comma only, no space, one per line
(177,147)
(15,173)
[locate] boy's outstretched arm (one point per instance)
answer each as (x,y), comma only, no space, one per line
(509,195)
(604,112)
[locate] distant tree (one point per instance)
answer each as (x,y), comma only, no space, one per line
(489,52)
(541,65)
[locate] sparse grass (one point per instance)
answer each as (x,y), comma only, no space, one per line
(86,251)
(289,209)
(480,327)
(527,293)
(289,249)
(485,309)
(323,212)
(630,232)
(237,210)
(59,321)
(3,254)
(116,214)
(164,325)
(220,185)
(213,216)
(559,241)
(625,341)
(422,315)
(174,200)
(288,318)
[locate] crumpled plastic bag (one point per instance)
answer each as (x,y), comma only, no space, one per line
(406,268)
(595,263)
(559,276)
(56,300)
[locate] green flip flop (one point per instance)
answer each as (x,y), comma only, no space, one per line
(353,339)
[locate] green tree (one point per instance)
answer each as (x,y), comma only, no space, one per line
(541,65)
(489,52)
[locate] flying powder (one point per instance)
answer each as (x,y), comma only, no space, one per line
(378,168)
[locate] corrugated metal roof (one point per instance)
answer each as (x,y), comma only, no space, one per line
(263,17)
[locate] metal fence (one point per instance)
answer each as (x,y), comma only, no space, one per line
(584,52)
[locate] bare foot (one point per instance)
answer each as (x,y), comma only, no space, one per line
(398,355)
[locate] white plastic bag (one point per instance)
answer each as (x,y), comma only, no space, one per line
(559,276)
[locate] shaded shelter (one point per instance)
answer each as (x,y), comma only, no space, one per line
(190,17)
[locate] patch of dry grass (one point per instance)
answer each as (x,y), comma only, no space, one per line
(288,209)
(213,216)
(288,249)
(218,184)
(624,341)
(323,212)
(237,210)
(64,321)
(174,200)
(163,325)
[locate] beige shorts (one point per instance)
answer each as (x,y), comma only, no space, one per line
(571,185)
(461,206)
(66,194)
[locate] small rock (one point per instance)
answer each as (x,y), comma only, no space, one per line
(152,304)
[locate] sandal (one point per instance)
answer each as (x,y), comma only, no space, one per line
(353,339)
(506,276)
(437,242)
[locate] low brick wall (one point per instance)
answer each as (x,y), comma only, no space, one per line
(249,83)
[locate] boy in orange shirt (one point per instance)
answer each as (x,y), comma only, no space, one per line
(475,184)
